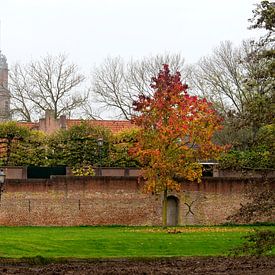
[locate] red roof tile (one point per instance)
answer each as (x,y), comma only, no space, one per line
(114,125)
(30,125)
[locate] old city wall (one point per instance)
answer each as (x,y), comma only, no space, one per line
(115,200)
(77,201)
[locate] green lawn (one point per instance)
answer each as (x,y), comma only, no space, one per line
(94,242)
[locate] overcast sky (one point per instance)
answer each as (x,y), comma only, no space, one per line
(90,30)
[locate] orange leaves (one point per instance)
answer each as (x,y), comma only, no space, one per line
(176,131)
(193,171)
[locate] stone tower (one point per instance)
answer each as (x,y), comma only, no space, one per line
(4,90)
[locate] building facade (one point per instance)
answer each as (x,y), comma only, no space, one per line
(4,89)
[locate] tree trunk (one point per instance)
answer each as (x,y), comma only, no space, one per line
(164,209)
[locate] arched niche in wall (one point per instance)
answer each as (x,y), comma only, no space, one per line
(172,210)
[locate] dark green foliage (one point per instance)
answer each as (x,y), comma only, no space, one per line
(251,159)
(21,146)
(122,143)
(258,155)
(259,111)
(12,138)
(238,138)
(78,146)
(32,151)
(258,243)
(264,16)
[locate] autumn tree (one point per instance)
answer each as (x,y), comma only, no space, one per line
(49,83)
(117,83)
(176,132)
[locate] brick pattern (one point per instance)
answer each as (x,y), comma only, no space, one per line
(114,200)
(78,201)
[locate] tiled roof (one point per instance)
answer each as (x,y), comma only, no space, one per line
(30,125)
(114,125)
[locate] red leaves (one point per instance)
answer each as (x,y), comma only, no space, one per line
(176,131)
(142,101)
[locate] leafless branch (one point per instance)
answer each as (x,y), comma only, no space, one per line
(49,83)
(116,84)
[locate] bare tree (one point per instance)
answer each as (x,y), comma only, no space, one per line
(21,105)
(49,83)
(222,77)
(88,111)
(116,83)
(219,77)
(109,86)
(241,86)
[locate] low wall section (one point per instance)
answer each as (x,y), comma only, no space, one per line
(15,172)
(115,200)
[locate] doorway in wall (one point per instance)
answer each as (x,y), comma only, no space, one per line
(172,211)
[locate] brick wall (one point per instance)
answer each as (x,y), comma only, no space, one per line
(15,172)
(78,201)
(114,200)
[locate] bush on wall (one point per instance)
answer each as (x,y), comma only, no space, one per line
(120,145)
(78,146)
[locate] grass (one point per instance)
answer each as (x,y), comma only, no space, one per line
(105,242)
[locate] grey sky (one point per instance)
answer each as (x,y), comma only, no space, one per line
(90,30)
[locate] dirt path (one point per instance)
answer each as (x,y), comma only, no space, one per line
(194,265)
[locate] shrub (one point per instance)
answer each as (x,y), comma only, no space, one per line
(258,243)
(86,170)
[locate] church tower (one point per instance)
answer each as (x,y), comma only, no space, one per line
(4,90)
